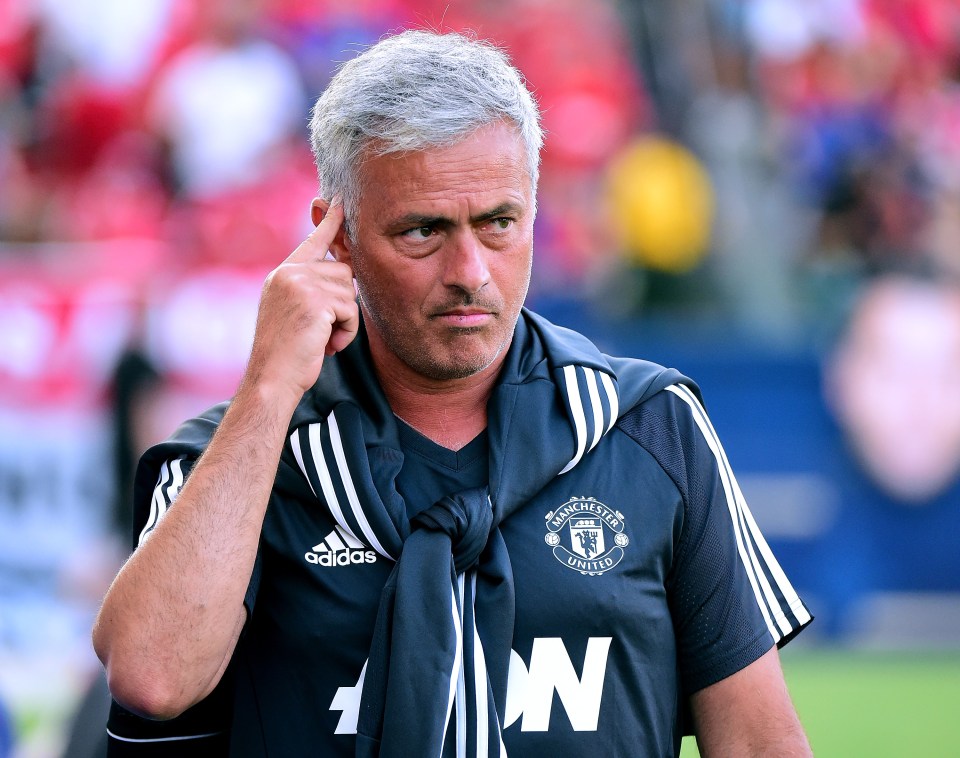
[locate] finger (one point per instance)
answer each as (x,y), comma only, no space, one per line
(326,231)
(318,242)
(345,329)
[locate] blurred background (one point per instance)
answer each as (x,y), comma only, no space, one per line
(762,193)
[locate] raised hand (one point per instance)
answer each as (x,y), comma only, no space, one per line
(308,311)
(172,618)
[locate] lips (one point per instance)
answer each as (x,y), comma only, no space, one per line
(470,309)
(464,312)
(464,317)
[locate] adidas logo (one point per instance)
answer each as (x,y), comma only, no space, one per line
(339,548)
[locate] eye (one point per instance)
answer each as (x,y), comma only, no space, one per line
(419,232)
(500,224)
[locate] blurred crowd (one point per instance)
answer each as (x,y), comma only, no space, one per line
(185,121)
(863,104)
(828,132)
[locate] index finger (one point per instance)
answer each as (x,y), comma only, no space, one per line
(318,242)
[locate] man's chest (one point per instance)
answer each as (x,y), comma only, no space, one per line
(594,547)
(589,557)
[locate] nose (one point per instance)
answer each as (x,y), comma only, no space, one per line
(466,262)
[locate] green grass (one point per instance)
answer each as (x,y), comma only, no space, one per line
(881,705)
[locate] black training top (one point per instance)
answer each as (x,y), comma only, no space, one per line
(640,577)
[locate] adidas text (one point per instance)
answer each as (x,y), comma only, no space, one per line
(341,557)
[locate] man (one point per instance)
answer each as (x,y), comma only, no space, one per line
(426,510)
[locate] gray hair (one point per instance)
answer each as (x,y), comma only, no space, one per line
(414,91)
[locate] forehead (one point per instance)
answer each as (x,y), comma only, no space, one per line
(489,165)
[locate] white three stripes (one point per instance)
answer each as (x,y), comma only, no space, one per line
(578,414)
(169,484)
(325,475)
(748,534)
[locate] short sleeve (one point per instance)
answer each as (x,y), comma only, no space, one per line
(147,511)
(729,598)
(202,731)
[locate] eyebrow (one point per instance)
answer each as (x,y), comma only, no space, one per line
(415,220)
(503,209)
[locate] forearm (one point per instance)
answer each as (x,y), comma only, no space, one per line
(171,619)
(749,715)
(783,740)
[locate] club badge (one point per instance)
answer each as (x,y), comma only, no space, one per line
(586,535)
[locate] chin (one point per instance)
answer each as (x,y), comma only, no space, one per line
(458,366)
(454,369)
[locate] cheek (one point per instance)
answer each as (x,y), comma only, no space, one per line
(390,293)
(514,273)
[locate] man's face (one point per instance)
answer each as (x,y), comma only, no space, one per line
(442,250)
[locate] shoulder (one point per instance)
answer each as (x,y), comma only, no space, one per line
(191,437)
(677,402)
(188,441)
(672,425)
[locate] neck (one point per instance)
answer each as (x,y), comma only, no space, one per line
(451,415)
(449,412)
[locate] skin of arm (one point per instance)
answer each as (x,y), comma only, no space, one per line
(749,714)
(171,619)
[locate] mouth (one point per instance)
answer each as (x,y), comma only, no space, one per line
(464,317)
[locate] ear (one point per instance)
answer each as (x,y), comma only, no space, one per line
(340,248)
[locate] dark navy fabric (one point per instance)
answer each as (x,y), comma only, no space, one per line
(571,396)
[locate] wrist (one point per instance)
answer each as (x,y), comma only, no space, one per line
(267,400)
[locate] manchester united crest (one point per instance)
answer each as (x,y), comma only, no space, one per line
(586,535)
